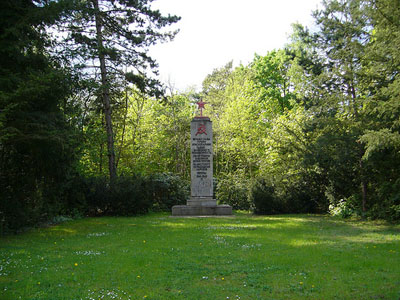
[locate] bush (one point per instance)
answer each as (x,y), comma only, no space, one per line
(20,208)
(299,198)
(294,197)
(342,209)
(136,194)
(168,190)
(97,195)
(264,198)
(125,196)
(387,202)
(79,196)
(26,202)
(130,196)
(74,196)
(234,190)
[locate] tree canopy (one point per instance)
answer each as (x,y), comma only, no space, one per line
(86,127)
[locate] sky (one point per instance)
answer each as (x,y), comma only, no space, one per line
(214,32)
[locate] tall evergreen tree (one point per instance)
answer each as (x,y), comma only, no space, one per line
(383,67)
(36,141)
(382,137)
(108,41)
(341,41)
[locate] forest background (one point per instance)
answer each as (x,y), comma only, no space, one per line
(86,129)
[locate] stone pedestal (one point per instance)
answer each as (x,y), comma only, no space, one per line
(215,210)
(201,201)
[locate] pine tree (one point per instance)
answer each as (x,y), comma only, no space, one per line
(108,41)
(37,144)
(341,41)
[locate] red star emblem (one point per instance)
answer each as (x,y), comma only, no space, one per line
(201,107)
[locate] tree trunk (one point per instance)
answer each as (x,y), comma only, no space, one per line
(352,92)
(123,128)
(363,183)
(105,94)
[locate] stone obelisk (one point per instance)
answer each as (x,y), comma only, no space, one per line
(201,200)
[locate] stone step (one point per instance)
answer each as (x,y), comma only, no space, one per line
(190,210)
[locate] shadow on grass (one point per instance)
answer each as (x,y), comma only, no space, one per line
(257,257)
(295,227)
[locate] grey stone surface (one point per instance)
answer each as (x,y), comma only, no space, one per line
(201,202)
(217,210)
(201,136)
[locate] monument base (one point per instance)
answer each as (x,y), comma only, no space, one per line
(201,201)
(204,210)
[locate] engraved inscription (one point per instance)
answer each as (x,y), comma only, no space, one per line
(201,157)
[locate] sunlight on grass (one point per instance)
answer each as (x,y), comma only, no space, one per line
(366,238)
(64,230)
(301,243)
(246,257)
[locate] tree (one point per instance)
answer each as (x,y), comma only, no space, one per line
(344,32)
(213,90)
(38,144)
(383,65)
(214,93)
(382,137)
(272,80)
(107,40)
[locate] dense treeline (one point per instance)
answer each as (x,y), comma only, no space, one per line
(66,66)
(311,127)
(315,126)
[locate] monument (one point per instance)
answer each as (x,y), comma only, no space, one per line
(201,202)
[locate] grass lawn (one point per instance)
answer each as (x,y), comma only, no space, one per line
(243,257)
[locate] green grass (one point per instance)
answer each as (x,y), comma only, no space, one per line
(244,257)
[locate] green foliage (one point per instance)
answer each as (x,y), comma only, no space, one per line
(264,198)
(239,132)
(106,42)
(120,31)
(272,82)
(297,130)
(342,209)
(291,197)
(158,137)
(387,203)
(38,143)
(128,196)
(135,194)
(168,190)
(233,189)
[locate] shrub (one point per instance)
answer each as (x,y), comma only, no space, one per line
(168,190)
(25,202)
(74,196)
(299,198)
(130,195)
(126,195)
(20,208)
(97,195)
(387,202)
(342,209)
(264,198)
(78,196)
(136,194)
(234,190)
